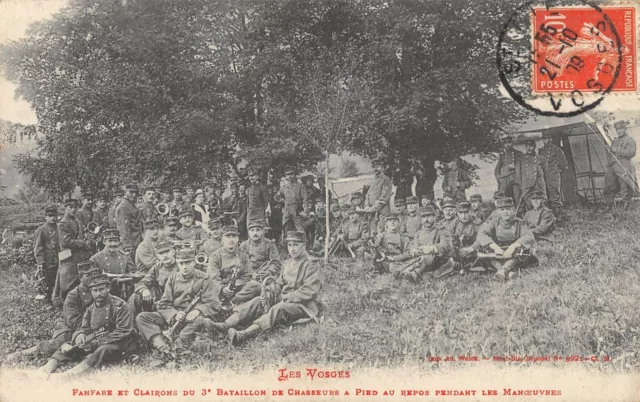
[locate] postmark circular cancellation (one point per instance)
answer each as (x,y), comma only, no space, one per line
(562,60)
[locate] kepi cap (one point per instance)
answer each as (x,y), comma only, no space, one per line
(427,211)
(230,230)
(51,211)
(111,234)
(537,194)
(504,202)
(412,199)
(475,197)
(463,206)
(100,279)
(294,236)
(186,254)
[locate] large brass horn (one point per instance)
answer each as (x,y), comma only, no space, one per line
(93,228)
(201,259)
(163,208)
(214,204)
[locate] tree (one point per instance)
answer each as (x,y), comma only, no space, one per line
(348,167)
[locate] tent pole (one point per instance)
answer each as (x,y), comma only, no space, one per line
(593,183)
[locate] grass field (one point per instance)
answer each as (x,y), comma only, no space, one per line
(582,300)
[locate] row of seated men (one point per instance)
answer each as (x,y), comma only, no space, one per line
(177,297)
(448,240)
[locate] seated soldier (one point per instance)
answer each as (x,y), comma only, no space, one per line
(151,288)
(293,296)
(75,304)
(105,333)
(431,243)
(355,232)
(229,262)
(448,216)
(411,223)
(505,235)
(540,219)
(182,287)
(214,242)
(356,199)
(392,245)
(491,205)
(479,211)
(113,260)
(463,237)
(145,253)
(188,231)
(260,250)
(171,225)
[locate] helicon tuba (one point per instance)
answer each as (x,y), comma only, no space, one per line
(162,208)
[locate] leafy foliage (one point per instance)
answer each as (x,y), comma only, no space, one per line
(348,167)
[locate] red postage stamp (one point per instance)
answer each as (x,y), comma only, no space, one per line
(584,49)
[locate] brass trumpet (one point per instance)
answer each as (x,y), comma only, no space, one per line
(163,208)
(201,259)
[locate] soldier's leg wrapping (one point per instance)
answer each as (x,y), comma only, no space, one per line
(189,331)
(516,192)
(427,264)
(396,267)
(56,296)
(250,290)
(553,183)
(381,222)
(510,264)
(108,352)
(280,313)
(74,355)
(249,311)
(150,324)
(49,347)
(50,275)
(138,305)
(503,185)
(611,185)
(625,189)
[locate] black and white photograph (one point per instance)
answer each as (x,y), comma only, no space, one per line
(326,200)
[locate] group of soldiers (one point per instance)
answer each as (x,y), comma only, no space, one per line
(159,269)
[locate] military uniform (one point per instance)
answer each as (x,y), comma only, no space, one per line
(296,200)
(146,256)
(111,216)
(621,173)
(541,221)
(555,163)
(190,233)
(456,181)
(154,281)
(480,214)
(505,172)
(395,246)
(412,221)
(84,217)
(71,237)
(378,198)
(118,263)
(148,212)
(355,234)
(257,201)
(259,252)
(211,245)
(101,217)
(178,294)
(46,246)
(111,323)
(530,177)
(129,224)
(221,265)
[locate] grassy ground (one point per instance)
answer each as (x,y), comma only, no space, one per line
(581,300)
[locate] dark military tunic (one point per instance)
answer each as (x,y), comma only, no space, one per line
(541,222)
(211,245)
(221,265)
(555,163)
(71,236)
(411,224)
(145,256)
(190,233)
(117,262)
(46,246)
(84,216)
(621,172)
(101,217)
(296,200)
(129,223)
(260,252)
(257,201)
(148,211)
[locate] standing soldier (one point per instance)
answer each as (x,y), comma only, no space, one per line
(106,333)
(504,235)
(456,181)
(101,213)
(555,163)
(621,174)
(167,196)
(377,200)
(145,253)
(148,209)
(151,288)
(74,249)
(505,171)
(75,304)
(296,200)
(529,175)
(257,198)
(214,241)
(46,246)
(177,204)
(129,220)
(411,223)
(85,214)
(295,296)
(117,198)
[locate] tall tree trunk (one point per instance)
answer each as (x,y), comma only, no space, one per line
(327,233)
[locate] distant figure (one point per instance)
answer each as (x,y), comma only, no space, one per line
(621,174)
(456,181)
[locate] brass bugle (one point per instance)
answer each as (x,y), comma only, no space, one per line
(162,208)
(201,259)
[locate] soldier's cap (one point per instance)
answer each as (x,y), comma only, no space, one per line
(345,207)
(178,190)
(427,211)
(151,224)
(186,213)
(357,194)
(399,202)
(412,199)
(289,171)
(51,211)
(376,162)
(214,224)
(188,187)
(498,194)
(88,194)
(185,254)
(537,194)
(87,267)
(620,124)
(391,217)
(252,171)
(230,230)
(118,193)
(100,279)
(111,234)
(448,204)
(132,187)
(463,206)
(335,201)
(353,210)
(475,197)
(100,197)
(149,188)
(255,224)
(447,194)
(530,142)
(70,201)
(199,192)
(425,197)
(307,177)
(504,202)
(171,220)
(163,245)
(298,237)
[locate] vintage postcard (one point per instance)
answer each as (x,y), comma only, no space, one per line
(319,200)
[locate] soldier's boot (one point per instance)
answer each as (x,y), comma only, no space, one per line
(501,275)
(17,354)
(51,366)
(79,369)
(159,343)
(412,276)
(236,337)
